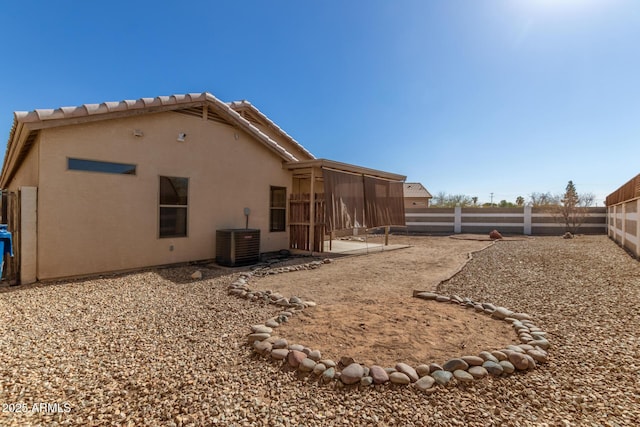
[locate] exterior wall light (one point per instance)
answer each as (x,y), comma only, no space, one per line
(181,137)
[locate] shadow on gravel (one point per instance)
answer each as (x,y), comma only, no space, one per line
(175,274)
(184,274)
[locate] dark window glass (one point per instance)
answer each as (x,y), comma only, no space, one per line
(278,211)
(103,167)
(173,222)
(173,191)
(278,197)
(278,220)
(173,206)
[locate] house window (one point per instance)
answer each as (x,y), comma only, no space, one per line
(278,209)
(173,206)
(98,166)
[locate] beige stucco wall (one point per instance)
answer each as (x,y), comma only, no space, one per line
(416,202)
(28,235)
(27,175)
(95,222)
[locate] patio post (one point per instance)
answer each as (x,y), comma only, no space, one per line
(312,210)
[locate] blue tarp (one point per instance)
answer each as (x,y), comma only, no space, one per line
(6,245)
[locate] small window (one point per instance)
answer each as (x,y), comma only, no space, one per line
(174,194)
(103,167)
(278,211)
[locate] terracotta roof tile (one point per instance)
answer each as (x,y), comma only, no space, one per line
(247,104)
(86,110)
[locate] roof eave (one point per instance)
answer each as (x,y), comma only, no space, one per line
(251,129)
(17,137)
(344,167)
(66,121)
(246,105)
(86,113)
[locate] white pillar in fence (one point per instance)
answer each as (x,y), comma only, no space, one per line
(638,228)
(616,230)
(527,221)
(457,221)
(613,222)
(624,225)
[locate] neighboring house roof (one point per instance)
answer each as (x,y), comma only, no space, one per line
(27,124)
(415,189)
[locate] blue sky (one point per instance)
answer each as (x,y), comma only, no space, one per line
(466,96)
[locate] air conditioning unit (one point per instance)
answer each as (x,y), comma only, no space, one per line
(235,247)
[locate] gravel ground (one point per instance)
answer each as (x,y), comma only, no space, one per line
(157,348)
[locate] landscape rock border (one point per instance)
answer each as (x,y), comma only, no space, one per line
(466,369)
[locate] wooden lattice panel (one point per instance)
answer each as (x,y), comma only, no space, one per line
(628,191)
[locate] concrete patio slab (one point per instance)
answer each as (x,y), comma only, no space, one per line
(355,247)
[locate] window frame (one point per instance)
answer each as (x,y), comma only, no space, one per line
(184,207)
(273,208)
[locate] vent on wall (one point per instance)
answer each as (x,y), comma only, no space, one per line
(236,247)
(197,112)
(215,117)
(193,111)
(251,118)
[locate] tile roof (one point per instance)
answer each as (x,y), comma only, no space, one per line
(26,122)
(108,107)
(86,110)
(237,105)
(415,189)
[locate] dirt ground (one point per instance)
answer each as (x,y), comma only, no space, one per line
(156,347)
(365,309)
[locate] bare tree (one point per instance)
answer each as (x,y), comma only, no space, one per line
(587,200)
(459,200)
(544,199)
(442,200)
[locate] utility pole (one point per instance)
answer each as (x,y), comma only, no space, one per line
(491,199)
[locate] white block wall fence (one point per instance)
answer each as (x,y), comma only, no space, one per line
(525,220)
(624,225)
